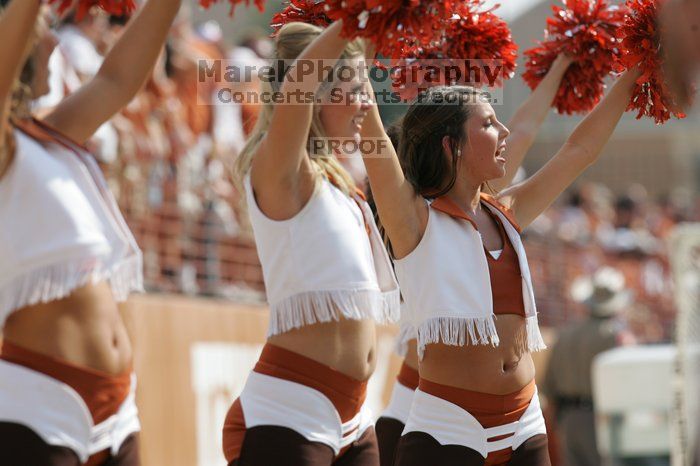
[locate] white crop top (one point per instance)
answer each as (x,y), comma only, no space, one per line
(60,228)
(323,263)
(446,285)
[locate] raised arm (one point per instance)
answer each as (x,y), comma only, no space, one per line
(530,198)
(527,120)
(403,212)
(281,172)
(17,25)
(124,71)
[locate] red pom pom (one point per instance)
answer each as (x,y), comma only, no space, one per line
(483,35)
(393,25)
(113,7)
(641,46)
(586,31)
(304,11)
(234,3)
(476,49)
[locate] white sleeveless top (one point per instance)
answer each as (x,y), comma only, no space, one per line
(446,285)
(322,263)
(61,228)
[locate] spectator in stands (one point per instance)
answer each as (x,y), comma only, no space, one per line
(630,234)
(567,384)
(77,59)
(645,325)
(82,42)
(588,213)
(574,224)
(253,51)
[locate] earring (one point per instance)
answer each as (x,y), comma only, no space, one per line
(459,153)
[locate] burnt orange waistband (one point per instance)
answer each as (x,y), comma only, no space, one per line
(347,394)
(490,410)
(408,377)
(103,393)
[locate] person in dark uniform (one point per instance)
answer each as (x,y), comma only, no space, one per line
(567,383)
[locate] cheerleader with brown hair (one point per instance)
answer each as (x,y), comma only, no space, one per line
(66,367)
(524,126)
(327,275)
(464,273)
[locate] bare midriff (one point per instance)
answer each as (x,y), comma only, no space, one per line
(499,370)
(85,329)
(348,346)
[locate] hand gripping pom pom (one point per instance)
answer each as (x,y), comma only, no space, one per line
(585,30)
(393,25)
(641,46)
(304,11)
(83,7)
(260,4)
(476,49)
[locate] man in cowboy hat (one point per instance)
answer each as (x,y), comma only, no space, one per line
(567,384)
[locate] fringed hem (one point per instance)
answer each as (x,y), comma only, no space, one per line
(391,307)
(535,342)
(127,277)
(330,305)
(406,333)
(58,281)
(457,331)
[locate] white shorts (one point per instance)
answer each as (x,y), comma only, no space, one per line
(58,414)
(271,401)
(449,424)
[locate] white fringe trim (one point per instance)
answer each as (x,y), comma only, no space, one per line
(391,307)
(325,306)
(535,342)
(406,333)
(58,281)
(457,331)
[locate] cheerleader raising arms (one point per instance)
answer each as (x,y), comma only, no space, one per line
(524,126)
(68,256)
(476,318)
(327,276)
(124,71)
(284,175)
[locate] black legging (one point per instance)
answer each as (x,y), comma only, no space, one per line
(21,446)
(389,432)
(420,449)
(281,446)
